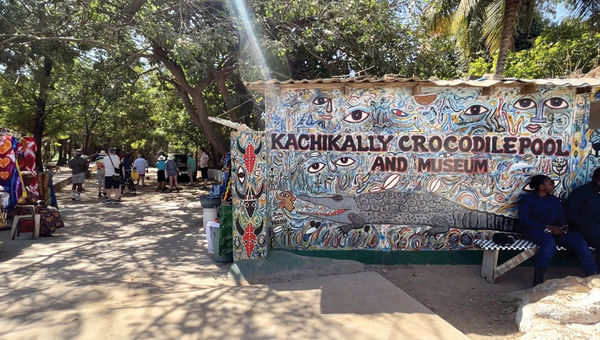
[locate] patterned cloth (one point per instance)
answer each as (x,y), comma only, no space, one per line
(25,153)
(10,177)
(50,219)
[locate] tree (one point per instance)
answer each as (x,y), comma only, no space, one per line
(492,21)
(570,47)
(31,69)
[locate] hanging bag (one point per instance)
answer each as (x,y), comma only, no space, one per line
(116,177)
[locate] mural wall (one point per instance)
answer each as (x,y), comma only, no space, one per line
(381,168)
(248,168)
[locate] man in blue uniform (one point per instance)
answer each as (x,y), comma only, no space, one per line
(544,223)
(583,209)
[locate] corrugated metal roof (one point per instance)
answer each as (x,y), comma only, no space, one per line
(482,82)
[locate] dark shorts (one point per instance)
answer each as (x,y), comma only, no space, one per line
(110,184)
(161,176)
(204,172)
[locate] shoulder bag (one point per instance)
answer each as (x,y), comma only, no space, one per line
(116,177)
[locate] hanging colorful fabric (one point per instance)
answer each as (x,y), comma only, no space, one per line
(9,173)
(26,159)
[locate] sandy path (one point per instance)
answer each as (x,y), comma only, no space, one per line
(108,258)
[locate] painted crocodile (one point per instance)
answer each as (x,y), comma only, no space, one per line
(404,208)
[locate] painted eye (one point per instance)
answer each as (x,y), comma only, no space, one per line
(356,116)
(321,100)
(476,109)
(556,103)
(399,113)
(345,161)
(241,175)
(316,167)
(524,104)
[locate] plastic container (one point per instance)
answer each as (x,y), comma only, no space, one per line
(210,206)
(215,236)
(209,201)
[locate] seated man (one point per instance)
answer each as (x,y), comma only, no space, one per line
(583,209)
(544,223)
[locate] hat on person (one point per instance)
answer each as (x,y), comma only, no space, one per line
(102,153)
(171,157)
(78,152)
(161,158)
(112,149)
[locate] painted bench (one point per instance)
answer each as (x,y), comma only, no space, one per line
(490,270)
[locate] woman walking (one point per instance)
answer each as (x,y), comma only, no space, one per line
(160,174)
(172,172)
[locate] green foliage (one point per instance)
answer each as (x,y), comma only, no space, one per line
(317,38)
(561,50)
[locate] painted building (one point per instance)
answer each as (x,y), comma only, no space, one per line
(403,164)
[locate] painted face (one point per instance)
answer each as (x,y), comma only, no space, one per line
(329,173)
(477,119)
(543,112)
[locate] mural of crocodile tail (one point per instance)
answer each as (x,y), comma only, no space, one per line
(475,219)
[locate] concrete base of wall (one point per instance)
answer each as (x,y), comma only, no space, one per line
(454,257)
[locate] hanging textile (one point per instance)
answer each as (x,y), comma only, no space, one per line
(46,189)
(25,153)
(10,177)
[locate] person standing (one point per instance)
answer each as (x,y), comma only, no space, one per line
(78,167)
(172,172)
(204,166)
(160,173)
(140,165)
(191,168)
(100,174)
(112,176)
(583,210)
(544,222)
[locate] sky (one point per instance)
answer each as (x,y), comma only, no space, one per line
(561,13)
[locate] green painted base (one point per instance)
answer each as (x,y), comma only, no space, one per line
(473,257)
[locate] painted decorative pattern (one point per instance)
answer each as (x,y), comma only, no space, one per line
(248,153)
(383,169)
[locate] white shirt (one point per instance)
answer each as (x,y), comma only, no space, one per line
(109,169)
(204,160)
(140,165)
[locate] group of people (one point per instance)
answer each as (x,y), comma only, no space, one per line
(167,169)
(576,226)
(113,173)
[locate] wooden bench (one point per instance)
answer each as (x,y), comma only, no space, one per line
(490,270)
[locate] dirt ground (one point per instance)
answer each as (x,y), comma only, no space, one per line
(102,245)
(459,295)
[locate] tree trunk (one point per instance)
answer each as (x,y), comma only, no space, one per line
(196,108)
(202,114)
(38,131)
(220,78)
(40,111)
(86,143)
(507,37)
